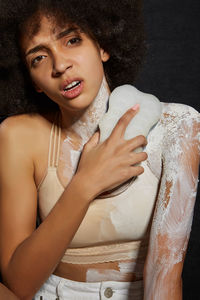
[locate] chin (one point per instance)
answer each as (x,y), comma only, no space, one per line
(78,104)
(76,107)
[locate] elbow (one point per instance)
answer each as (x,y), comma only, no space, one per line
(19,293)
(22,287)
(24,294)
(19,289)
(26,297)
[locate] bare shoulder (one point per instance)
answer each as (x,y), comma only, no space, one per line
(176,112)
(175,121)
(25,132)
(25,126)
(181,139)
(178,119)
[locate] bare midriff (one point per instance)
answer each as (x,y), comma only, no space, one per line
(109,271)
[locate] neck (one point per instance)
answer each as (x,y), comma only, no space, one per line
(85,125)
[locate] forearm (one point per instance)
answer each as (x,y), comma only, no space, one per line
(164,291)
(163,283)
(36,257)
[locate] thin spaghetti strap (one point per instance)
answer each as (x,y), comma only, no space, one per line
(58,145)
(54,146)
(50,145)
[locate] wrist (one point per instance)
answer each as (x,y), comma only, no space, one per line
(85,186)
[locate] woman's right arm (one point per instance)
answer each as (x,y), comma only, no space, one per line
(28,255)
(6,293)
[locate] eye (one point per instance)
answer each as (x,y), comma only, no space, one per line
(75,40)
(36,60)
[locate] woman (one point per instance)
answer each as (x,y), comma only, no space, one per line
(94,247)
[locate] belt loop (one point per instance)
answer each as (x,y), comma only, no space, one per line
(59,289)
(100,288)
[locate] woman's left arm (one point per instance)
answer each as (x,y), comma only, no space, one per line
(173,214)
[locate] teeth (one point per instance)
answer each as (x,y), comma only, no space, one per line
(71,85)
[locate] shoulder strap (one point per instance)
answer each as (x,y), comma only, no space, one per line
(54,143)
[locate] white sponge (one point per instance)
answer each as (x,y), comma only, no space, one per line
(120,100)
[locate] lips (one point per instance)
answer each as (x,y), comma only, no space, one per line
(72,85)
(72,88)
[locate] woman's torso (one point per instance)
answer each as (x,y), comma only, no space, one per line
(118,220)
(131,269)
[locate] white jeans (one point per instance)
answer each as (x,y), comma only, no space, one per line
(58,288)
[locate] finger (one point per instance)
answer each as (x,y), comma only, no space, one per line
(134,143)
(136,158)
(93,141)
(136,170)
(120,127)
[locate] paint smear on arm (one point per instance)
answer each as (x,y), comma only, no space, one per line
(174,210)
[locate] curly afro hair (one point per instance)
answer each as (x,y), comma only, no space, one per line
(116,26)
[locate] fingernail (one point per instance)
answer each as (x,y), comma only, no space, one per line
(135,107)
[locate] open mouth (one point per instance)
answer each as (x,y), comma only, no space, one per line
(72,85)
(72,89)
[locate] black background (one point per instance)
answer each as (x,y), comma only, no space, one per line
(171,69)
(171,72)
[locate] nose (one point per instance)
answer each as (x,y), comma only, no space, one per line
(60,64)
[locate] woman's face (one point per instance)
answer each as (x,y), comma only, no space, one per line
(65,64)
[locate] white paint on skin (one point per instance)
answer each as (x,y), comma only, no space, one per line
(135,267)
(168,144)
(96,275)
(68,140)
(126,217)
(84,128)
(75,155)
(174,211)
(127,267)
(65,157)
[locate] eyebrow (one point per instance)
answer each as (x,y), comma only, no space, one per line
(58,36)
